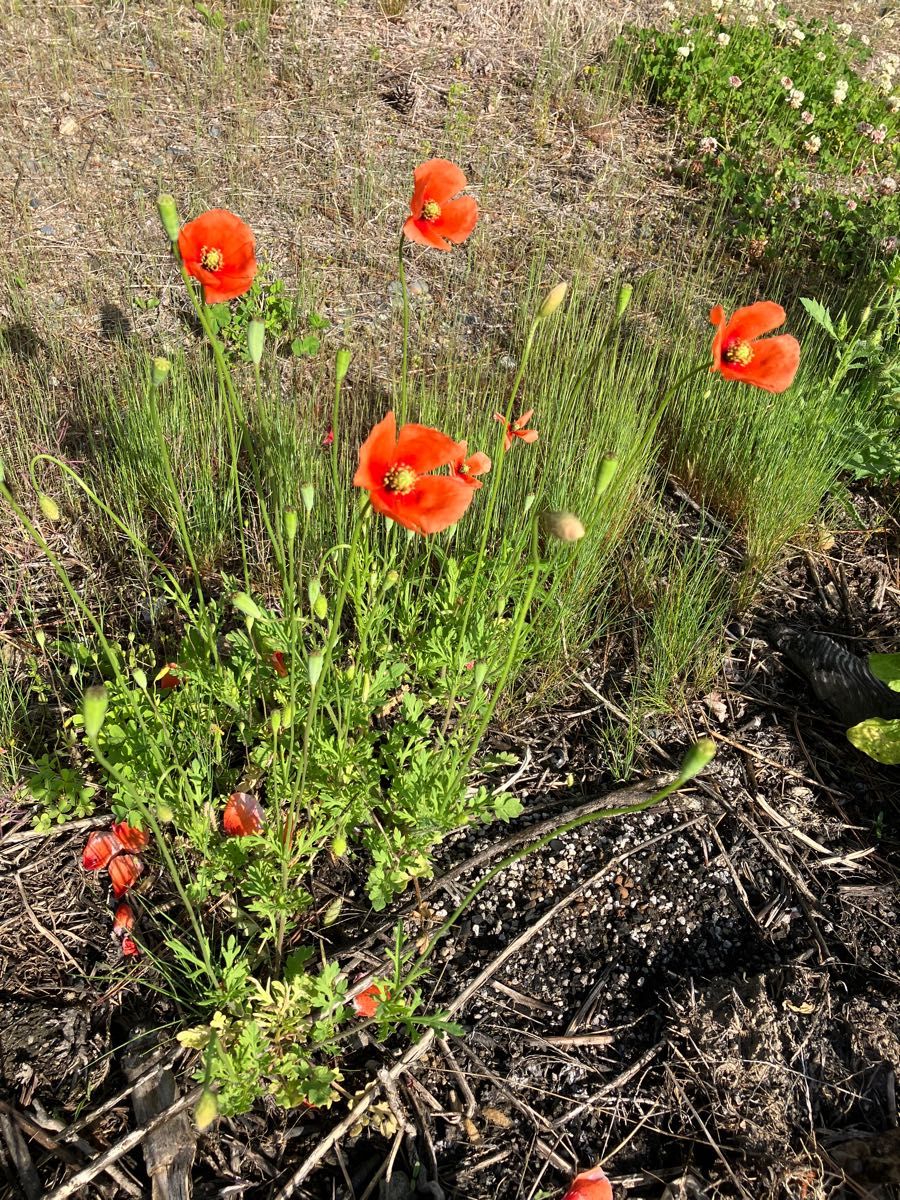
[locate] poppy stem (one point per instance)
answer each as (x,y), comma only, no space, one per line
(404,359)
(662,407)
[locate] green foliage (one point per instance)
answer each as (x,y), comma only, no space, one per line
(60,791)
(879,737)
(775,117)
(289,328)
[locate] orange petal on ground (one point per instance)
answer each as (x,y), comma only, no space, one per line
(243,815)
(130,947)
(590,1185)
(99,849)
(366,1003)
(124,918)
(124,872)
(131,838)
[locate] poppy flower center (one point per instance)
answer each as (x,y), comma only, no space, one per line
(431,210)
(211,259)
(400,479)
(739,352)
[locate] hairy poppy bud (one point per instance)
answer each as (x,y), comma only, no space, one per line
(307,494)
(93,710)
(563,525)
(554,300)
(168,214)
(341,365)
(207,1109)
(290,523)
(480,673)
(609,464)
(339,845)
(320,608)
(314,589)
(332,912)
(623,300)
(49,507)
(391,579)
(164,812)
(256,338)
(159,372)
(314,665)
(699,755)
(140,678)
(248,606)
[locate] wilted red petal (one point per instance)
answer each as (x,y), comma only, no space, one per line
(130,948)
(366,1003)
(169,679)
(124,918)
(99,849)
(131,838)
(243,815)
(278,663)
(124,872)
(590,1185)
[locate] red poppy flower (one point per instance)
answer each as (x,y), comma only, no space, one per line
(129,947)
(99,849)
(243,815)
(123,921)
(124,872)
(590,1185)
(366,1003)
(738,354)
(437,219)
(328,439)
(516,429)
(167,678)
(218,250)
(393,467)
(467,468)
(130,838)
(277,660)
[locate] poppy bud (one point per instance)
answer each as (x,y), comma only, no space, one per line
(168,214)
(563,525)
(307,494)
(256,337)
(207,1110)
(609,464)
(320,608)
(290,523)
(160,371)
(332,912)
(164,812)
(699,755)
(276,721)
(529,501)
(314,665)
(366,687)
(391,579)
(866,313)
(553,301)
(248,606)
(341,365)
(140,678)
(93,710)
(41,638)
(49,507)
(623,300)
(339,845)
(480,673)
(287,716)
(313,590)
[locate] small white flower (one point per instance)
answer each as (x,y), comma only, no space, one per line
(735,81)
(851,205)
(683,51)
(768,5)
(717,5)
(723,39)
(887,185)
(845,28)
(865,39)
(780,24)
(893,103)
(878,135)
(708,145)
(820,56)
(806,117)
(669,7)
(786,82)
(751,19)
(795,97)
(813,145)
(798,35)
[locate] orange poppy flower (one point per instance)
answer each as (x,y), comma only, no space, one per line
(218,250)
(277,660)
(243,815)
(590,1185)
(467,468)
(738,353)
(124,872)
(167,678)
(516,429)
(436,218)
(393,468)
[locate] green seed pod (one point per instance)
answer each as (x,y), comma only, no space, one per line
(168,214)
(290,523)
(164,812)
(314,665)
(339,845)
(308,495)
(320,608)
(699,755)
(94,706)
(341,365)
(275,720)
(256,339)
(287,716)
(391,579)
(49,507)
(248,606)
(623,300)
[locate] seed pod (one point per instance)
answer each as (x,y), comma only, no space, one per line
(168,214)
(94,706)
(256,338)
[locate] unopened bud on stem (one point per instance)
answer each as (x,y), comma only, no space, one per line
(564,526)
(93,710)
(554,300)
(623,300)
(341,365)
(168,214)
(256,339)
(159,372)
(699,755)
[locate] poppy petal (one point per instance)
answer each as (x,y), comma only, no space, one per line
(590,1185)
(440,179)
(478,463)
(99,849)
(130,948)
(754,320)
(124,918)
(424,448)
(243,815)
(130,838)
(124,872)
(528,436)
(366,1003)
(277,660)
(435,503)
(457,219)
(377,453)
(424,233)
(773,365)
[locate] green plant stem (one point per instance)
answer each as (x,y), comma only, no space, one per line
(333,452)
(404,359)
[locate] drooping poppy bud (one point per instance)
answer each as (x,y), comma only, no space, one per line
(48,506)
(314,665)
(699,755)
(248,606)
(93,710)
(206,1110)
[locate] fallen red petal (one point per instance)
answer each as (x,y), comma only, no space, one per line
(124,918)
(99,849)
(131,838)
(243,815)
(130,948)
(124,872)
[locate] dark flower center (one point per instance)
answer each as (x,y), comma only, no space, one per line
(400,479)
(211,259)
